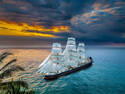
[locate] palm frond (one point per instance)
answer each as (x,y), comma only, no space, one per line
(4,55)
(8,72)
(7,85)
(15,87)
(10,62)
(18,68)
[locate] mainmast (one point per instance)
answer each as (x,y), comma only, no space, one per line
(70,53)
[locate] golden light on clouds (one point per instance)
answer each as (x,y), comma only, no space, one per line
(97,6)
(104,8)
(22,29)
(98,10)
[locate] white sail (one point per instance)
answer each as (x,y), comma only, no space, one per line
(81,53)
(60,61)
(70,53)
(51,67)
(45,61)
(51,64)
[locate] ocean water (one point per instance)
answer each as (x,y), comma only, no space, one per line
(105,76)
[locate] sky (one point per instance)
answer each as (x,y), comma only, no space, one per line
(41,22)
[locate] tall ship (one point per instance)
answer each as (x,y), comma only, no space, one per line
(63,62)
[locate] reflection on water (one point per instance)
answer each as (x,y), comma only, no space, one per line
(106,76)
(29,59)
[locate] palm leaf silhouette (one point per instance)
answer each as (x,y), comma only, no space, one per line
(12,87)
(10,62)
(8,72)
(4,55)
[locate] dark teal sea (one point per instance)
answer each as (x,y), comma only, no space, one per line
(105,76)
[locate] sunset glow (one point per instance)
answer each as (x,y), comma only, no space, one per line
(23,29)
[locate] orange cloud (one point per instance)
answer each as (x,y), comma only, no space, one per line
(85,17)
(97,6)
(21,29)
(104,8)
(109,10)
(90,14)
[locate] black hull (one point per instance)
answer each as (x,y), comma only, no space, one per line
(55,76)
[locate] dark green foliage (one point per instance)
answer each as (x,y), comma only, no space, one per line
(13,87)
(6,85)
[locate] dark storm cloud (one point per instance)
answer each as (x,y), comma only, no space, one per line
(93,21)
(104,23)
(44,12)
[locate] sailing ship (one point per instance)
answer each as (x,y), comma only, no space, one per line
(63,62)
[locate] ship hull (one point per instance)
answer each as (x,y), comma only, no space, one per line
(55,76)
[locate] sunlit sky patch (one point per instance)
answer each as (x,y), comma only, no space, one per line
(22,29)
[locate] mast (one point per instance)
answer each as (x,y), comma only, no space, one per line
(56,52)
(57,58)
(81,52)
(53,62)
(70,53)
